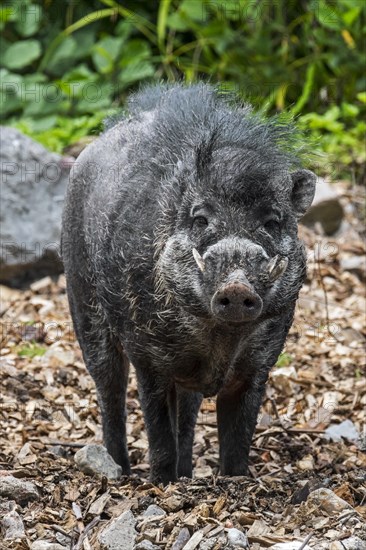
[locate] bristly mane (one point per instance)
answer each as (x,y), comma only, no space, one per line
(201,119)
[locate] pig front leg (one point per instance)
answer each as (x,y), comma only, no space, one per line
(188,407)
(239,401)
(237,417)
(159,405)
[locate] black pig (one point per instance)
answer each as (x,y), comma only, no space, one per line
(182,257)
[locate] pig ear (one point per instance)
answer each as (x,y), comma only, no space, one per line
(303,191)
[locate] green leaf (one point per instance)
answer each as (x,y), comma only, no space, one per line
(193,9)
(17,90)
(49,100)
(327,15)
(33,78)
(66,51)
(32,350)
(105,53)
(6,14)
(124,28)
(96,96)
(30,19)
(9,104)
(21,54)
(189,13)
(361,97)
(349,110)
(85,40)
(135,72)
(78,82)
(176,22)
(11,83)
(90,106)
(43,124)
(284,360)
(135,51)
(350,16)
(135,62)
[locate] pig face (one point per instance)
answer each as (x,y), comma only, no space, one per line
(233,255)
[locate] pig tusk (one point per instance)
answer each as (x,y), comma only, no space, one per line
(272,264)
(276,267)
(199,260)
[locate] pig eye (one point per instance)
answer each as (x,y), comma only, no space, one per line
(272,226)
(200,221)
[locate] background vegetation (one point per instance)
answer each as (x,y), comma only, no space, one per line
(66,65)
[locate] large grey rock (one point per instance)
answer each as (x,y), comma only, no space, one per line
(33,184)
(326,208)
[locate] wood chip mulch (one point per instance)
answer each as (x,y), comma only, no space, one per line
(48,410)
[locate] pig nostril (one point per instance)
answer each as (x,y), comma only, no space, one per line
(236,302)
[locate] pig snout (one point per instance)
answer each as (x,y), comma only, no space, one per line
(236,302)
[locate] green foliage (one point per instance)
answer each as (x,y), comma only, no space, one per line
(340,134)
(57,132)
(66,65)
(31,350)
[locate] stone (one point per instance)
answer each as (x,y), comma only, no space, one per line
(237,538)
(33,184)
(55,356)
(154,510)
(281,378)
(17,489)
(354,264)
(146,545)
(174,503)
(293,545)
(182,539)
(95,460)
(42,285)
(119,533)
(45,545)
(346,430)
(208,544)
(326,208)
(306,463)
(193,541)
(12,526)
(328,501)
(352,543)
(351,337)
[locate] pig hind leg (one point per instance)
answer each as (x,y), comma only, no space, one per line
(110,373)
(159,405)
(109,368)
